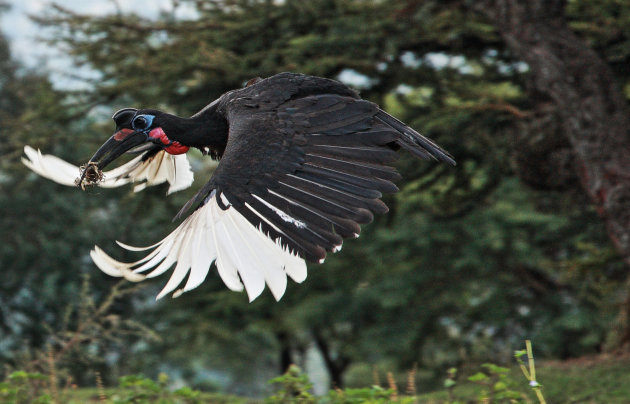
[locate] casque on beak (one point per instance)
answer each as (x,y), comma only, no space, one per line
(120,142)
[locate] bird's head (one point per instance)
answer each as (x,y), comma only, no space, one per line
(134,128)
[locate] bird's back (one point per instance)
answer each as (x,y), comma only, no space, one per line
(273,91)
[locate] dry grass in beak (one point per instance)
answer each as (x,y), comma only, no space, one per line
(90,175)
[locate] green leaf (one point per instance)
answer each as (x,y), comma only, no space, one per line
(449,383)
(478,377)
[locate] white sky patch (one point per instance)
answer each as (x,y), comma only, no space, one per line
(404,89)
(409,59)
(355,79)
(444,60)
(438,60)
(27,48)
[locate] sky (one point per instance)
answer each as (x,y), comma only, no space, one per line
(25,46)
(23,33)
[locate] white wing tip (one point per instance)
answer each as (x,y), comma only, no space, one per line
(112,267)
(245,257)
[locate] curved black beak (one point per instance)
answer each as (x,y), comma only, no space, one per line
(114,147)
(118,144)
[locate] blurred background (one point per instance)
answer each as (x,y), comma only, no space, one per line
(526,238)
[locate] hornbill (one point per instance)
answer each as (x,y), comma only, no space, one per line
(303,162)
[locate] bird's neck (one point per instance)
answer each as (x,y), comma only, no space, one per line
(208,130)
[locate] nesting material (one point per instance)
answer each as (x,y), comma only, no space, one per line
(90,175)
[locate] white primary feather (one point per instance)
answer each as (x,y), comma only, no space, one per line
(296,271)
(50,167)
(256,250)
(162,167)
(227,271)
(245,257)
(251,273)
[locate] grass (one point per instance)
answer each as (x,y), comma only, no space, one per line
(586,380)
(92,395)
(597,379)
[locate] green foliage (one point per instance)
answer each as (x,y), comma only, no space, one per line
(294,387)
(75,347)
(24,387)
(372,395)
(139,389)
(495,380)
(588,381)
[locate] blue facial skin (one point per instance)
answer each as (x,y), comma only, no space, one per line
(148,118)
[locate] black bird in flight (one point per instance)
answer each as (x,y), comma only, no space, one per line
(303,162)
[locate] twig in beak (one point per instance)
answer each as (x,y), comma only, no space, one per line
(90,175)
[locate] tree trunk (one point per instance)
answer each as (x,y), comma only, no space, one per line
(336,366)
(593,111)
(286,357)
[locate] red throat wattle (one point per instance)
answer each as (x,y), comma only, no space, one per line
(173,147)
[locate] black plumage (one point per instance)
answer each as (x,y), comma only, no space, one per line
(312,141)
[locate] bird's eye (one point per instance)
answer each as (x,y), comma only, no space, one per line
(142,121)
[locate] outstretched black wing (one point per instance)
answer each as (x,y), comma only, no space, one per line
(296,178)
(312,170)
